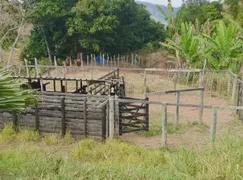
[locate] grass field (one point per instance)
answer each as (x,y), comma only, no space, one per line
(26,155)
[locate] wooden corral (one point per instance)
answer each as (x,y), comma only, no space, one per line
(60,113)
(100,86)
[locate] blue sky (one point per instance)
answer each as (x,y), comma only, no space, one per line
(175,3)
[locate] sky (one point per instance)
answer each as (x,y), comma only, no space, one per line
(175,3)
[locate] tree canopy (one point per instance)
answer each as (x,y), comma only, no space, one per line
(113,26)
(202,11)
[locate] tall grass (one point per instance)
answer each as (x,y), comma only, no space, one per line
(114,159)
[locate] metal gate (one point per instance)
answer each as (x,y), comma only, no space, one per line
(133,117)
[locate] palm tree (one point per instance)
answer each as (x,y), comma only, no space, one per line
(11,96)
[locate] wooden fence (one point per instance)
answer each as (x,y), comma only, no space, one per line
(178,92)
(217,82)
(165,115)
(59,113)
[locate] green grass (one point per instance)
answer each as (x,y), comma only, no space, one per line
(155,128)
(29,158)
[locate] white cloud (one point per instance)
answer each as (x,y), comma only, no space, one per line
(175,3)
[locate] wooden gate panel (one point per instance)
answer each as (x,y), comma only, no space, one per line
(133,117)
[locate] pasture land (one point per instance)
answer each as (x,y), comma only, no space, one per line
(27,156)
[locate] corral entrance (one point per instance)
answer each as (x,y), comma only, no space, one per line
(133,117)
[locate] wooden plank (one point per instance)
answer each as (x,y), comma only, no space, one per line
(63,114)
(36,118)
(174,91)
(132,130)
(85,117)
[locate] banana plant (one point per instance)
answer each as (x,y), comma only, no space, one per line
(12,97)
(186,45)
(224,49)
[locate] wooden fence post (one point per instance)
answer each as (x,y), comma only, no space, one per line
(234,91)
(104,117)
(36,68)
(201,108)
(26,67)
(145,82)
(55,64)
(118,63)
(63,117)
(214,125)
(85,117)
(116,116)
(14,118)
(37,123)
(164,126)
(177,108)
(229,84)
(111,117)
(91,72)
(201,79)
(147,112)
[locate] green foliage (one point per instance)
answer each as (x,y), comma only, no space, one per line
(186,45)
(11,96)
(120,160)
(202,12)
(8,133)
(224,48)
(28,135)
(113,26)
(52,139)
(10,19)
(234,8)
(35,47)
(92,151)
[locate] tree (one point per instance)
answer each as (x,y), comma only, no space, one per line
(9,22)
(202,11)
(12,19)
(111,26)
(234,9)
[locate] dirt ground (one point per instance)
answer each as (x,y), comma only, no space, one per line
(191,133)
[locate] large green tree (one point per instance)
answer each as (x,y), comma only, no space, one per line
(111,26)
(202,11)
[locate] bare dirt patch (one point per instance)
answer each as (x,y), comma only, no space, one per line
(192,134)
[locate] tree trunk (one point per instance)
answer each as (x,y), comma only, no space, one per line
(47,46)
(14,44)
